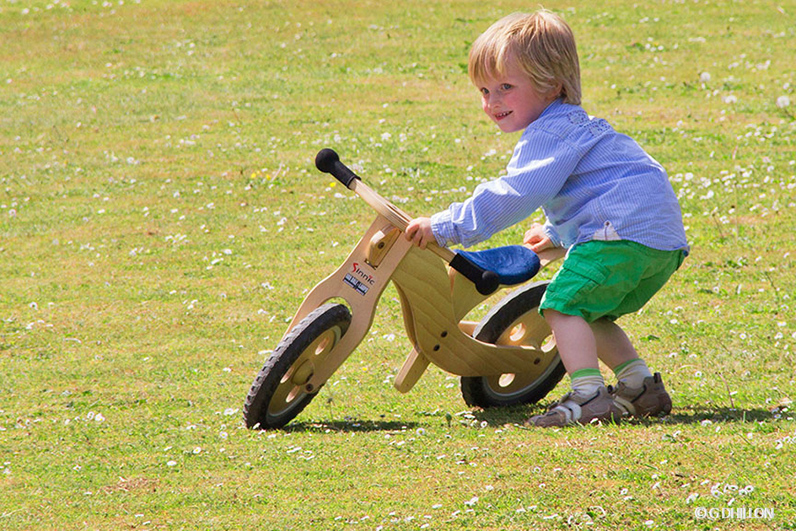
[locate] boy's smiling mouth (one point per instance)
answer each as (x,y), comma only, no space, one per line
(501,115)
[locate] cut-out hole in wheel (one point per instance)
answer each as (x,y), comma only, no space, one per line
(292,395)
(324,343)
(506,380)
(517,333)
(548,345)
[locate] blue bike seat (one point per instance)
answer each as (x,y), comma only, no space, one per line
(513,264)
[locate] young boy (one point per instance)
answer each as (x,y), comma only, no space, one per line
(608,202)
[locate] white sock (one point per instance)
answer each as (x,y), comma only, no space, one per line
(632,373)
(586,382)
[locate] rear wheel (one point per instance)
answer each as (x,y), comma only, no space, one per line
(515,320)
(279,391)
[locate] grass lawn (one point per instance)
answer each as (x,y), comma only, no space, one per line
(161,220)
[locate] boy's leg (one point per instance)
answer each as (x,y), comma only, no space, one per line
(578,350)
(580,344)
(615,350)
(598,282)
(589,399)
(613,346)
(638,392)
(575,340)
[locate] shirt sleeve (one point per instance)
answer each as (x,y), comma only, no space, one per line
(552,233)
(539,167)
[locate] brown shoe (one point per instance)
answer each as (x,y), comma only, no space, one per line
(649,400)
(574,408)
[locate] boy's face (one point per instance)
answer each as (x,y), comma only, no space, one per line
(511,100)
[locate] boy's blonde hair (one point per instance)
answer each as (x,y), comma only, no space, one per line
(541,44)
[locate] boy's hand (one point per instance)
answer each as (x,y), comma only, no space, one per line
(536,240)
(419,232)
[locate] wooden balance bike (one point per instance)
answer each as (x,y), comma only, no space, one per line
(509,357)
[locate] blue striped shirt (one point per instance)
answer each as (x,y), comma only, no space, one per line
(591,182)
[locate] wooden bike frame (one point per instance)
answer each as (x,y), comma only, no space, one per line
(434,298)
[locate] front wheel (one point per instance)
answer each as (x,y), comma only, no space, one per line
(515,320)
(279,392)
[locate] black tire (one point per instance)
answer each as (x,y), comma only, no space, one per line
(278,394)
(515,320)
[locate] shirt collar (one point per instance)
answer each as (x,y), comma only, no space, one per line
(556,103)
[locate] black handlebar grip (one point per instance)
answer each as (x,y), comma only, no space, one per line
(328,161)
(486,282)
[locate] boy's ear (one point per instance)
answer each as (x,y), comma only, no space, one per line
(556,91)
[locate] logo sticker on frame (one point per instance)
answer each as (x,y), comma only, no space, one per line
(359,279)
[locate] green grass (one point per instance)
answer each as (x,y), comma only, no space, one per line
(161,220)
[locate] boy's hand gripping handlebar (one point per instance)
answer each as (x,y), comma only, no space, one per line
(327,160)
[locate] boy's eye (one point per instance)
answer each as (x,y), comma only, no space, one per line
(484,91)
(505,86)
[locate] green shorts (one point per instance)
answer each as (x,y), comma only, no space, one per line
(609,279)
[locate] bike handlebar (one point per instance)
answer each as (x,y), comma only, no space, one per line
(328,161)
(486,282)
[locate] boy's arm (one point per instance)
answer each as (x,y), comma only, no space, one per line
(539,168)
